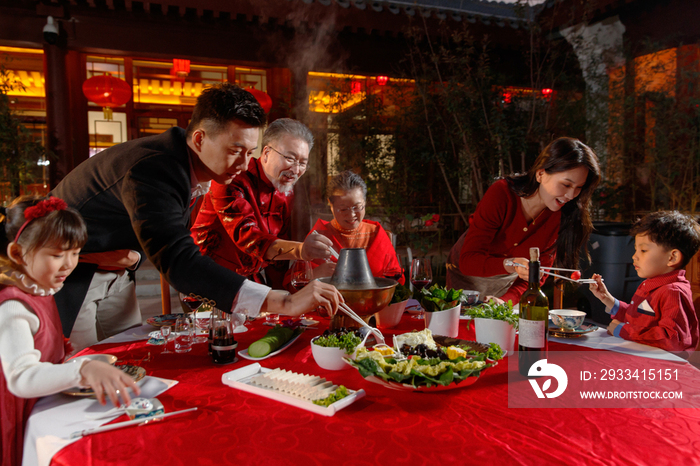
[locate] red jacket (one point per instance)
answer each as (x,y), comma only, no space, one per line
(238,222)
(498,229)
(661,314)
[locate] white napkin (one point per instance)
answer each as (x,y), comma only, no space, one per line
(600,339)
(54,418)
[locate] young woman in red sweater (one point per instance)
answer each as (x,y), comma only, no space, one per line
(547,207)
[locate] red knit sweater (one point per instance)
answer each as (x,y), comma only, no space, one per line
(498,229)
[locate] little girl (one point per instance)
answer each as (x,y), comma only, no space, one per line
(44,239)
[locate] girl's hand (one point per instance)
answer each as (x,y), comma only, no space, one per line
(108,380)
(523,270)
(601,292)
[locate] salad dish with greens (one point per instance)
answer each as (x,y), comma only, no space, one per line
(420,361)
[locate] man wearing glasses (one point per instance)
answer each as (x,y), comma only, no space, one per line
(246,225)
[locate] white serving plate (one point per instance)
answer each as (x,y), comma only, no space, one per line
(106,358)
(244,354)
(240,379)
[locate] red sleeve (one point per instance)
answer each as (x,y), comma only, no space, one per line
(672,331)
(621,310)
(238,218)
(381,254)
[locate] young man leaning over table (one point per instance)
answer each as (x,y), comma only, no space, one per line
(136,199)
(661,313)
(245,225)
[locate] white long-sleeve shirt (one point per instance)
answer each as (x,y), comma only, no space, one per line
(26,375)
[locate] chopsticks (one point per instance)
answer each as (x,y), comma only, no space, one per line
(350,313)
(557,268)
(119,425)
(332,251)
(581,281)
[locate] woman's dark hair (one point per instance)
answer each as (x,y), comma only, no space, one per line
(346,181)
(218,105)
(59,228)
(559,156)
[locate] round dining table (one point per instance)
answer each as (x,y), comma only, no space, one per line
(466,425)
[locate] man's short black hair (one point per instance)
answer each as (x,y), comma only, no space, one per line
(672,230)
(218,105)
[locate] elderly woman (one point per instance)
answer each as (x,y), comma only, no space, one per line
(347,196)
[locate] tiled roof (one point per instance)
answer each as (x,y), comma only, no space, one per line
(457,10)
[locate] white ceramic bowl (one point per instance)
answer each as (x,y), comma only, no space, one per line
(106,358)
(390,316)
(444,322)
(567,318)
(329,358)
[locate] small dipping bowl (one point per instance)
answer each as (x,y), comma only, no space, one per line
(329,358)
(469,297)
(568,319)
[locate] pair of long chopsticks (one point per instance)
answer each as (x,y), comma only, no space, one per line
(119,425)
(557,268)
(350,313)
(581,281)
(332,251)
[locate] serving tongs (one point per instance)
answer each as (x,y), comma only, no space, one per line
(371,330)
(546,270)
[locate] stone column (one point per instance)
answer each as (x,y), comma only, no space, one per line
(599,49)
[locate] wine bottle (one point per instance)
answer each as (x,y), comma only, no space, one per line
(533,320)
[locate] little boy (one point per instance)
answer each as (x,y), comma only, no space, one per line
(661,313)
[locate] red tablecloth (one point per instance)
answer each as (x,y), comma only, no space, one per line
(466,426)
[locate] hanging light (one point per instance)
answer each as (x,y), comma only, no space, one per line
(382,80)
(547,92)
(107,92)
(262,97)
(355,87)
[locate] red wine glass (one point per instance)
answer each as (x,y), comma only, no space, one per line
(421,276)
(302,274)
(194,302)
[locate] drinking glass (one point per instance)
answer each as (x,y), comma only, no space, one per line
(183,341)
(421,276)
(194,302)
(223,345)
(302,274)
(392,269)
(165,333)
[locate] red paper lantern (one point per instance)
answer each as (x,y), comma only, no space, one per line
(107,92)
(382,80)
(355,87)
(181,68)
(547,92)
(263,99)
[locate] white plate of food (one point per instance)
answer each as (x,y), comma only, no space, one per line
(244,354)
(136,372)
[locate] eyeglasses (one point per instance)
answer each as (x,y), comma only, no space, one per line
(291,160)
(354,209)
